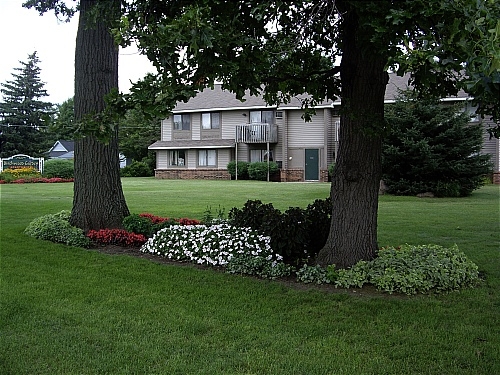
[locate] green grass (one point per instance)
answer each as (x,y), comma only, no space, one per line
(66,310)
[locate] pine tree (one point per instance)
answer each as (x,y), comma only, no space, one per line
(432,147)
(24,115)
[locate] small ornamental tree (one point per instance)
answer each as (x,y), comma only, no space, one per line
(432,147)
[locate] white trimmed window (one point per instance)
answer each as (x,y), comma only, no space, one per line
(260,155)
(177,158)
(210,120)
(207,158)
(182,122)
(262,117)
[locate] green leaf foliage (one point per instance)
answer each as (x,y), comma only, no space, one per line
(296,234)
(63,168)
(56,228)
(432,147)
(410,270)
(259,170)
(242,169)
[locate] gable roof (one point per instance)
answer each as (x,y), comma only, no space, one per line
(397,83)
(217,99)
(62,149)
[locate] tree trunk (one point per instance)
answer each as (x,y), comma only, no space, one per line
(98,200)
(356,176)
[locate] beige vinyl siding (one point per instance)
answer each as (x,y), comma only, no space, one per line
(229,120)
(192,158)
(492,147)
(166,129)
(196,126)
(223,158)
(278,147)
(161,159)
(303,134)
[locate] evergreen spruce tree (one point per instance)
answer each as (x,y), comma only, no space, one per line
(432,147)
(24,115)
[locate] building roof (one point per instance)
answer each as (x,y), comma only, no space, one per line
(62,149)
(188,143)
(217,99)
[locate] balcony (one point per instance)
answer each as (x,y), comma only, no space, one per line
(257,133)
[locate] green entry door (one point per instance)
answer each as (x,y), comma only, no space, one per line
(312,164)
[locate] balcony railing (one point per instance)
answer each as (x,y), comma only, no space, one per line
(256,133)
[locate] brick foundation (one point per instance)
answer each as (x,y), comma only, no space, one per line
(192,174)
(496,178)
(290,175)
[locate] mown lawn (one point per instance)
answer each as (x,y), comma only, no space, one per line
(67,310)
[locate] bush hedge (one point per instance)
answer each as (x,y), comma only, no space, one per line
(242,170)
(296,234)
(56,228)
(62,168)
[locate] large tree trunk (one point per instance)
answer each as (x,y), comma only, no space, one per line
(356,176)
(98,200)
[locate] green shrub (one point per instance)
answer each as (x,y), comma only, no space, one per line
(331,167)
(137,169)
(318,217)
(138,224)
(56,228)
(296,234)
(258,170)
(62,168)
(242,169)
(410,270)
(312,275)
(245,264)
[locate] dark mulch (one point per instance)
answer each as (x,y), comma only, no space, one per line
(291,282)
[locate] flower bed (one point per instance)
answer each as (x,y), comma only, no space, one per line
(117,237)
(32,180)
(213,245)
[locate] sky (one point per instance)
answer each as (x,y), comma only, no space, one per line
(24,31)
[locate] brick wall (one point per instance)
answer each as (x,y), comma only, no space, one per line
(496,178)
(290,175)
(192,174)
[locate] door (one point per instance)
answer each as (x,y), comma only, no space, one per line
(312,164)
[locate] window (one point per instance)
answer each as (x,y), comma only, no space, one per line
(279,114)
(210,120)
(177,158)
(471,110)
(207,158)
(182,122)
(262,117)
(260,155)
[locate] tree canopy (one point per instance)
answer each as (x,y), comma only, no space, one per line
(285,48)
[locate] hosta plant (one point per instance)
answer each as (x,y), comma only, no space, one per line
(246,264)
(410,270)
(56,228)
(213,245)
